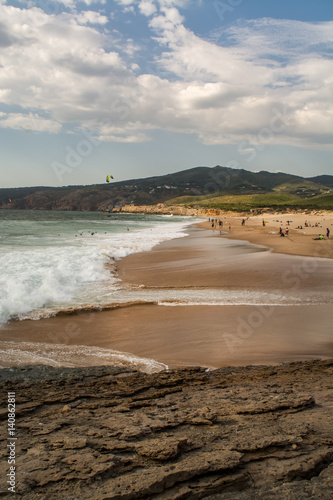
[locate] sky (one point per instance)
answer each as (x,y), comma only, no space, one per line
(150,87)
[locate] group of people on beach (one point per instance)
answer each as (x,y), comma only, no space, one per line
(308,224)
(321,237)
(215,223)
(218,224)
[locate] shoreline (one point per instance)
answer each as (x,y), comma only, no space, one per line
(151,338)
(210,334)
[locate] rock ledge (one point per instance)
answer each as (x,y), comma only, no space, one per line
(234,433)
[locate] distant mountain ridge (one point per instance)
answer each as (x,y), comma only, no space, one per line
(326,180)
(194,183)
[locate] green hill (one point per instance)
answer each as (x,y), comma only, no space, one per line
(244,203)
(218,187)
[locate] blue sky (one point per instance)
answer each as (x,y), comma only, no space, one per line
(150,87)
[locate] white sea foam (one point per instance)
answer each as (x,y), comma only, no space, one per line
(142,240)
(31,279)
(31,353)
(45,271)
(120,296)
(221,297)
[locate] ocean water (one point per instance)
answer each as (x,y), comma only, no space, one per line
(59,261)
(52,261)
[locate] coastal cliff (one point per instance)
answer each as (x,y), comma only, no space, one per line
(234,433)
(162,209)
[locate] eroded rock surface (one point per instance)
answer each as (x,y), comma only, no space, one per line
(235,433)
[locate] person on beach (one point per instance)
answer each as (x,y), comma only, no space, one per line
(264,222)
(287,231)
(327,233)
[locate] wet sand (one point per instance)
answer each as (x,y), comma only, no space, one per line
(206,259)
(210,336)
(206,335)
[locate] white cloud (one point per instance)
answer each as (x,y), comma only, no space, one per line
(128,138)
(56,65)
(53,6)
(238,85)
(130,9)
(91,17)
(175,3)
(31,121)
(260,80)
(128,5)
(4,95)
(90,2)
(147,8)
(126,2)
(172,15)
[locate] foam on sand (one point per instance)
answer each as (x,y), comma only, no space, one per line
(31,353)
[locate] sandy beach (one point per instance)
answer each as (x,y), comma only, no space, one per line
(303,228)
(286,313)
(230,431)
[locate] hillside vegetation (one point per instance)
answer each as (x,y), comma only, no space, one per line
(244,203)
(219,188)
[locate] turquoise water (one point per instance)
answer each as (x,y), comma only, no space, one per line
(54,260)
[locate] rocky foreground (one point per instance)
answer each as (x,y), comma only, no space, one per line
(107,433)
